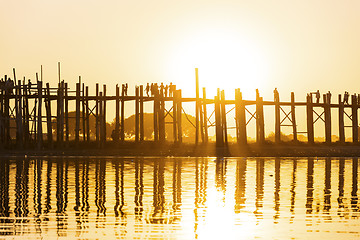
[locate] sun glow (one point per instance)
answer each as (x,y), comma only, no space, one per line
(225,61)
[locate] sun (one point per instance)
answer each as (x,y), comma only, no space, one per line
(224,60)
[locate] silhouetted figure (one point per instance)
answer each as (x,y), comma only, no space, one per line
(171,89)
(328,97)
(346,97)
(162,89)
(166,90)
(156,88)
(147,89)
(317,94)
(123,89)
(276,93)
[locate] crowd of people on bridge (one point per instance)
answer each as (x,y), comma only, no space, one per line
(164,90)
(7,85)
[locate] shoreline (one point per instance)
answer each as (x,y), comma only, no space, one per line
(200,150)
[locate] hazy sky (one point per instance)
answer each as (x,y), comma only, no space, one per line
(296,46)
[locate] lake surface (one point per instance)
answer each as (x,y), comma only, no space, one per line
(179,198)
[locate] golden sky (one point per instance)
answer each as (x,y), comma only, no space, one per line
(296,46)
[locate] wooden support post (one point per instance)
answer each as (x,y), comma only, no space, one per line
(97,121)
(48,117)
(141,113)
(260,133)
(66,112)
(137,117)
(2,133)
(179,114)
(156,115)
(104,114)
(59,126)
(7,115)
(122,116)
(205,124)
(309,119)
(218,124)
(39,130)
(197,107)
(101,121)
(26,116)
(293,118)
(175,116)
(117,115)
(19,116)
(241,117)
(87,114)
(327,111)
(83,112)
(162,118)
(77,114)
(277,117)
(341,120)
(223,115)
(354,109)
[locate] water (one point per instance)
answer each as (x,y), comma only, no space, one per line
(179,198)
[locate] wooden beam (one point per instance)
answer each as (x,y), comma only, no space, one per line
(355,125)
(341,120)
(293,116)
(309,119)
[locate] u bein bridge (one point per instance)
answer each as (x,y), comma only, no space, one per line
(29,107)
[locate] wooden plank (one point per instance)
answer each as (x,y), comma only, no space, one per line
(197,107)
(104,114)
(161,118)
(101,121)
(122,116)
(218,124)
(97,118)
(277,116)
(26,116)
(155,115)
(223,116)
(19,116)
(354,109)
(327,112)
(141,113)
(66,114)
(205,124)
(293,116)
(48,117)
(39,119)
(58,117)
(83,112)
(260,133)
(341,120)
(87,114)
(116,134)
(77,113)
(179,117)
(310,119)
(175,117)
(137,112)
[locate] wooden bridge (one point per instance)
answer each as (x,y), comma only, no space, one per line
(29,118)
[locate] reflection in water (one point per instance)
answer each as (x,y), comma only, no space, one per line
(240,185)
(354,198)
(259,187)
(158,193)
(201,168)
(277,190)
(327,190)
(292,190)
(310,186)
(179,197)
(139,187)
